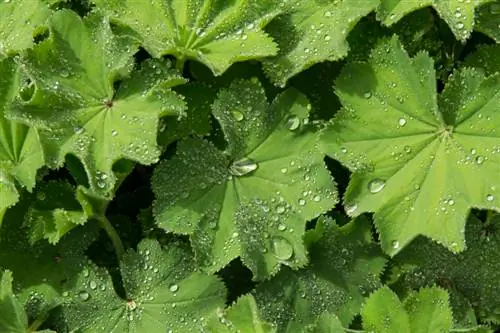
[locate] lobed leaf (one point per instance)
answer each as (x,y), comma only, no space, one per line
(253,199)
(487,20)
(345,266)
(310,32)
(163,292)
(75,102)
(419,161)
(459,15)
(217,33)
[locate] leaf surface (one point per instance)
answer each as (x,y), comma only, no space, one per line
(19,20)
(254,198)
(420,161)
(488,18)
(163,292)
(458,14)
(310,32)
(383,312)
(345,266)
(77,106)
(216,33)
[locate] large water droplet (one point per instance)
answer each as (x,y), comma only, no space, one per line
(292,123)
(376,185)
(243,167)
(238,115)
(282,248)
(84,296)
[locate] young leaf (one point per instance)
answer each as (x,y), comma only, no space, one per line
(458,14)
(383,312)
(486,58)
(75,102)
(474,273)
(425,311)
(243,317)
(487,20)
(312,31)
(254,199)
(18,22)
(20,150)
(216,33)
(418,166)
(163,292)
(13,318)
(345,266)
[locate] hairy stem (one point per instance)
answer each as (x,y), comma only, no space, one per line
(113,235)
(179,64)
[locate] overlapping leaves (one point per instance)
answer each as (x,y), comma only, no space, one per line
(345,267)
(253,199)
(74,101)
(216,33)
(420,161)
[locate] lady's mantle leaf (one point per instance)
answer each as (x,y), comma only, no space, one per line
(312,31)
(474,273)
(418,166)
(243,316)
(214,32)
(74,100)
(425,311)
(54,212)
(18,23)
(458,14)
(20,150)
(253,199)
(12,316)
(488,20)
(164,293)
(486,58)
(345,266)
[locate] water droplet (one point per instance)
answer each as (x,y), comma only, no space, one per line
(350,208)
(317,198)
(238,115)
(451,202)
(490,197)
(131,305)
(395,244)
(402,122)
(292,123)
(367,95)
(376,185)
(281,227)
(479,160)
(173,288)
(84,296)
(284,170)
(459,25)
(243,167)
(93,285)
(280,209)
(302,202)
(282,248)
(343,150)
(114,132)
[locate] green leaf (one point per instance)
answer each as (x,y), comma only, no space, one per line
(243,316)
(312,31)
(19,20)
(54,212)
(458,15)
(216,33)
(199,98)
(74,101)
(163,292)
(327,323)
(13,319)
(486,58)
(345,266)
(20,150)
(429,310)
(419,166)
(487,20)
(383,312)
(253,199)
(474,273)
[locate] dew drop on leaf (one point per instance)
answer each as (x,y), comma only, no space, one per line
(490,197)
(402,122)
(395,244)
(292,123)
(84,296)
(173,288)
(243,167)
(238,115)
(376,185)
(350,208)
(282,248)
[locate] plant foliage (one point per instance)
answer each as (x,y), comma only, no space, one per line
(249,166)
